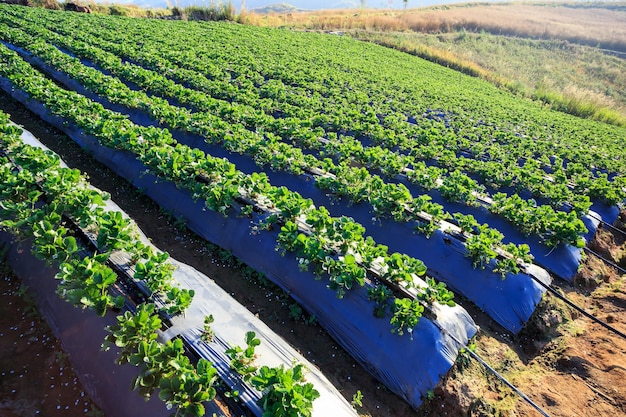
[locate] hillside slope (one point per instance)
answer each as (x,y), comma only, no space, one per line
(366,132)
(568,55)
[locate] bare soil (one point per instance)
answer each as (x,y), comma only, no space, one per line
(36,378)
(562,361)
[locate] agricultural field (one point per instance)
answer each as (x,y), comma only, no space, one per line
(417,215)
(566,55)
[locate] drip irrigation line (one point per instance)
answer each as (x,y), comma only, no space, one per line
(580,309)
(606,261)
(609,225)
(503,379)
(493,371)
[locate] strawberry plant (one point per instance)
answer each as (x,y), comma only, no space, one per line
(458,187)
(480,247)
(436,291)
(187,390)
(156,272)
(114,231)
(50,238)
(381,296)
(131,330)
(86,283)
(178,300)
(467,223)
(345,274)
(242,360)
(401,268)
(285,392)
(406,314)
(208,334)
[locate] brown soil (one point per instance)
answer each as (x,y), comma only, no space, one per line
(563,362)
(36,376)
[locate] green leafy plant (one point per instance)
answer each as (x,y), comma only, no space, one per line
(381,295)
(285,392)
(242,360)
(131,330)
(357,399)
(178,300)
(50,238)
(467,223)
(86,283)
(464,357)
(436,291)
(189,389)
(406,315)
(481,246)
(208,334)
(344,274)
(114,231)
(156,272)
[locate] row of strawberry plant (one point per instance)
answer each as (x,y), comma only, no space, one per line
(221,184)
(39,176)
(600,188)
(30,175)
(167,368)
(387,199)
(433,142)
(455,186)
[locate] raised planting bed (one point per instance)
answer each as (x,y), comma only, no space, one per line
(510,301)
(345,319)
(83,333)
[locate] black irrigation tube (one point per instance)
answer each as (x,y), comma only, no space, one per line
(503,379)
(609,225)
(498,375)
(616,229)
(606,261)
(568,302)
(580,310)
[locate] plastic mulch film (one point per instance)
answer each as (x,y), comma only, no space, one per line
(232,321)
(562,261)
(510,302)
(408,367)
(81,333)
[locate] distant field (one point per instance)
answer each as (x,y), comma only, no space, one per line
(602,23)
(555,53)
(582,79)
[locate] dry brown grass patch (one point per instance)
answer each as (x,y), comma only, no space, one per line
(584,25)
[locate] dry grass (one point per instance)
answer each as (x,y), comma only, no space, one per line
(549,66)
(589,25)
(129,10)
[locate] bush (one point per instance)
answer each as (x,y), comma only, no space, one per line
(117,10)
(222,11)
(46,4)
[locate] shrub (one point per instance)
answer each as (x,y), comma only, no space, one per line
(221,11)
